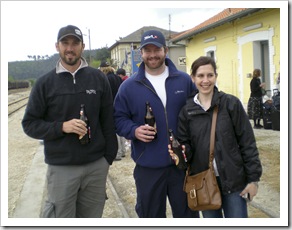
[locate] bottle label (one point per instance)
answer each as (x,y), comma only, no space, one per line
(85,139)
(176,159)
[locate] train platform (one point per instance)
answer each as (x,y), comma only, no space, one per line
(32,197)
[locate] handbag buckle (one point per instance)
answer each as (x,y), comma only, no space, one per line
(193,193)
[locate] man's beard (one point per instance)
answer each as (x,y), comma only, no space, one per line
(157,65)
(71,60)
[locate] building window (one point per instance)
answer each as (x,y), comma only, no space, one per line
(211,54)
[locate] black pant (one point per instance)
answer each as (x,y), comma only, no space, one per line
(154,186)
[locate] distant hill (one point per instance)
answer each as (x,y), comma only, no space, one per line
(22,70)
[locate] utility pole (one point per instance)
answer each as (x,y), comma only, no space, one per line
(89,46)
(169,36)
(169,20)
(89,43)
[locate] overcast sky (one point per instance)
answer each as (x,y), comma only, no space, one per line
(30,28)
(35,31)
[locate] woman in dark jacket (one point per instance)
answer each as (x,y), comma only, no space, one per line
(236,163)
(255,102)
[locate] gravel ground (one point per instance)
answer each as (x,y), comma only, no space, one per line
(21,150)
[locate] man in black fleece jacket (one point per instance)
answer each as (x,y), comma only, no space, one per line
(76,176)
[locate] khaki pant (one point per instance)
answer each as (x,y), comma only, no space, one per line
(76,191)
(121,146)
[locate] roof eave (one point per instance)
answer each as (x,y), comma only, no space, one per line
(216,24)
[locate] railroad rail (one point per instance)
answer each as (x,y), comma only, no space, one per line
(117,199)
(17,105)
(17,99)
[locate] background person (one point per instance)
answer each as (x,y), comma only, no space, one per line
(255,101)
(122,74)
(76,176)
(267,98)
(122,142)
(278,82)
(237,165)
(155,174)
(115,82)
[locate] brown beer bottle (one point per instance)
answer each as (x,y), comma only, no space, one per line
(149,118)
(180,157)
(86,138)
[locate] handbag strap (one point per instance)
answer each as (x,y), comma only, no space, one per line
(212,136)
(212,139)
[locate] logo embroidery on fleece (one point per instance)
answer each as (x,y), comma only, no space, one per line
(90,91)
(179,91)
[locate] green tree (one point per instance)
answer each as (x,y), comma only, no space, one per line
(40,65)
(10,78)
(103,54)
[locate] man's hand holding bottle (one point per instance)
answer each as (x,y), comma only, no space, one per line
(145,133)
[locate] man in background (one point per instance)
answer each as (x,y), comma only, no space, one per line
(122,74)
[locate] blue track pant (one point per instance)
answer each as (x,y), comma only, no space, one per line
(154,185)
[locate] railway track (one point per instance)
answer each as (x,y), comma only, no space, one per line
(17,99)
(17,105)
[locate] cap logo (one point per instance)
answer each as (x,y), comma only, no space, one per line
(150,36)
(78,32)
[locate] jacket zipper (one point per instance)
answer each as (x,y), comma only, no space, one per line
(165,113)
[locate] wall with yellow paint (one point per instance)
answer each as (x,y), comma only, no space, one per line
(234,62)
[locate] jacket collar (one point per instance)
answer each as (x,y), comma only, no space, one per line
(216,97)
(61,69)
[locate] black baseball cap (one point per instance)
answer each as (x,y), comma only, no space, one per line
(153,37)
(104,64)
(70,30)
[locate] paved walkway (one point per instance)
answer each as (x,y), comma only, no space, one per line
(29,204)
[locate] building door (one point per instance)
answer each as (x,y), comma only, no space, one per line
(265,67)
(261,60)
(255,53)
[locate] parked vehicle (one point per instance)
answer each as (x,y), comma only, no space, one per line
(18,84)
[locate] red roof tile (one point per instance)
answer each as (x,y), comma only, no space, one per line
(222,15)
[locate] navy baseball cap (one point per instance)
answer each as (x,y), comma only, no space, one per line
(70,30)
(153,37)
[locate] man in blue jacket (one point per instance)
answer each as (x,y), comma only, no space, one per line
(166,89)
(76,176)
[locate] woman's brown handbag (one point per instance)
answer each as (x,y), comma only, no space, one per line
(202,189)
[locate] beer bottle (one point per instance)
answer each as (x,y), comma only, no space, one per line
(86,138)
(149,118)
(180,158)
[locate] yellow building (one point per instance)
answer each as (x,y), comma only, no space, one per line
(240,40)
